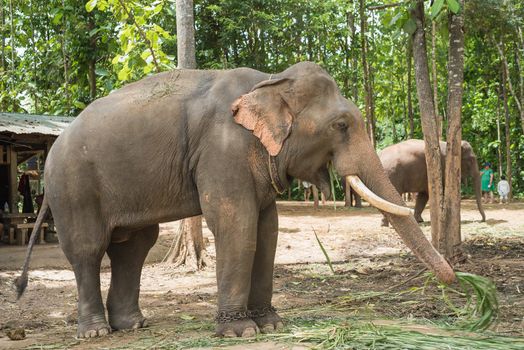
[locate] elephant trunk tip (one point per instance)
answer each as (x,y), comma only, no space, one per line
(445,274)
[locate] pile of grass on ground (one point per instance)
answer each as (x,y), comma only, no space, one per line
(354,334)
(344,333)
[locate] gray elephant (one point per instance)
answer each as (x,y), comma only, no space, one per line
(405,164)
(218,143)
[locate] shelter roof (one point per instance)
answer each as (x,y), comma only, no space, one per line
(26,124)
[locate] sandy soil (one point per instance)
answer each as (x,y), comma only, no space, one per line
(180,303)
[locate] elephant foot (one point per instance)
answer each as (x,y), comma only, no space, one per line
(128,321)
(267,319)
(93,329)
(419,220)
(235,324)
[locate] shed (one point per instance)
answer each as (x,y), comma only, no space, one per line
(24,137)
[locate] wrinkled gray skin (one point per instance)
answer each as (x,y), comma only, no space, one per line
(180,144)
(405,164)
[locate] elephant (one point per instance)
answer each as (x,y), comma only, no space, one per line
(405,164)
(221,143)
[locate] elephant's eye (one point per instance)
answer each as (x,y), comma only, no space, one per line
(340,125)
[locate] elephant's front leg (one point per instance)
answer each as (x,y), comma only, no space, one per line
(259,305)
(234,223)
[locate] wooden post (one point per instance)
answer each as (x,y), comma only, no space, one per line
(13,188)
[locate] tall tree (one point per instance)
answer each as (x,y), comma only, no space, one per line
(507,127)
(368,93)
(409,59)
(189,248)
(434,75)
(3,66)
(449,232)
(428,119)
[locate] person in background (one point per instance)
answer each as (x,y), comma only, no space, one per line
(503,189)
(486,181)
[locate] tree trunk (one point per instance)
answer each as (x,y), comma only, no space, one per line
(500,46)
(91,63)
(13,49)
(428,119)
(499,148)
(409,56)
(367,78)
(435,78)
(3,76)
(507,128)
(64,58)
(185,29)
(190,249)
(450,241)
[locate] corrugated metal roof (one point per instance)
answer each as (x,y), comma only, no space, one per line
(24,124)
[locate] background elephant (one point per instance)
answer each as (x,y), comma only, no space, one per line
(218,143)
(405,164)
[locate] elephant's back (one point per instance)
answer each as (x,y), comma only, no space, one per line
(405,164)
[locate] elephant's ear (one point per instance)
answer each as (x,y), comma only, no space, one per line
(265,111)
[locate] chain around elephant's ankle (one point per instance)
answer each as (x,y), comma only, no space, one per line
(226,317)
(261,312)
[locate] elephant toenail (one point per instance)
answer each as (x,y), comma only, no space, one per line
(136,325)
(145,323)
(279,325)
(102,332)
(268,328)
(230,334)
(90,334)
(249,332)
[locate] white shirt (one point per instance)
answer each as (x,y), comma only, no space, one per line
(503,187)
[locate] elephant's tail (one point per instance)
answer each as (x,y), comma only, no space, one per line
(21,282)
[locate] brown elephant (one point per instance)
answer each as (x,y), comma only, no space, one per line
(405,164)
(218,143)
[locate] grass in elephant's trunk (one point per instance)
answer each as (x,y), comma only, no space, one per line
(482,304)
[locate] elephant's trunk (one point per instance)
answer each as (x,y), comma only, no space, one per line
(374,176)
(475,174)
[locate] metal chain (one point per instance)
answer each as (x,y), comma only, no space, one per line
(226,317)
(257,313)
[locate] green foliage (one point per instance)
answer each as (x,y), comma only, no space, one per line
(57,45)
(141,38)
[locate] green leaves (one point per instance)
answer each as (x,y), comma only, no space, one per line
(90,5)
(140,37)
(437,6)
(453,6)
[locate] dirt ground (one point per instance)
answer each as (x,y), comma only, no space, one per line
(368,259)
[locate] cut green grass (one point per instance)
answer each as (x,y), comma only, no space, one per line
(351,334)
(481,307)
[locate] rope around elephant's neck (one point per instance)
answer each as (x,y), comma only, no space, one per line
(275,180)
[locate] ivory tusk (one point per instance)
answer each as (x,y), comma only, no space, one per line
(377,201)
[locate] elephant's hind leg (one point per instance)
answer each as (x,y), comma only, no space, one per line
(420,204)
(127,259)
(84,247)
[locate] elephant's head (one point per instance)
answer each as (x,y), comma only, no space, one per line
(470,168)
(301,117)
